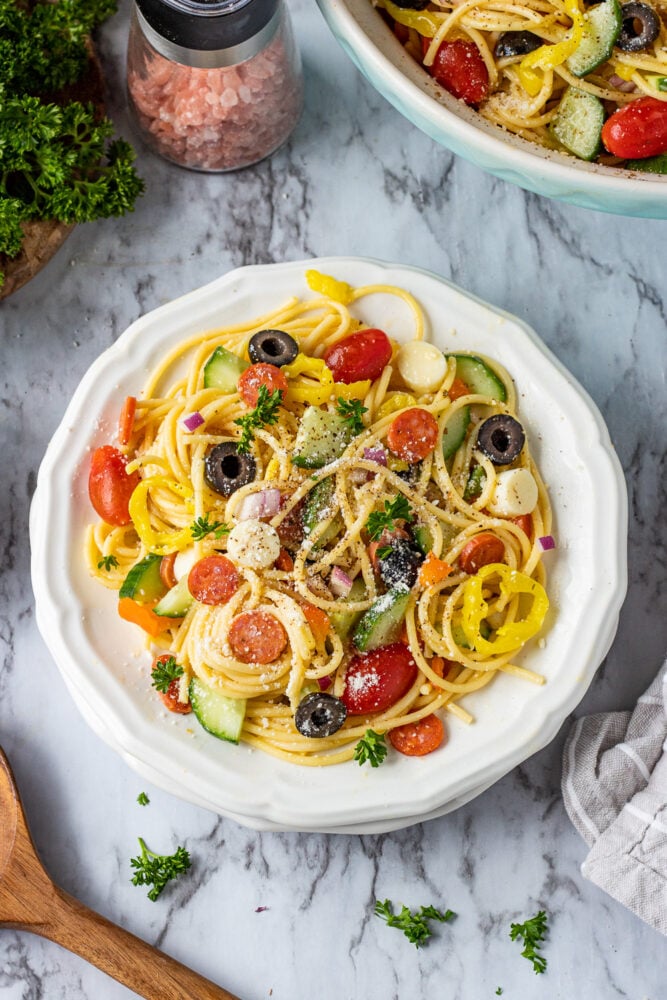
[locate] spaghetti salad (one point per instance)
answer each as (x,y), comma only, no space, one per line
(322,533)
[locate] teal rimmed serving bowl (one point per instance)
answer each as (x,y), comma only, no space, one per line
(381,58)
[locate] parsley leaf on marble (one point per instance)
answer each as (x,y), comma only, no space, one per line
(157,870)
(532,933)
(143,799)
(414,925)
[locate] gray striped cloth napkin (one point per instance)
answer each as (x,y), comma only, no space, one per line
(615,791)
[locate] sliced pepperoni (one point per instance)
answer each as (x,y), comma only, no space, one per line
(171,700)
(481,550)
(167,570)
(416,739)
(257,637)
(413,434)
(213,580)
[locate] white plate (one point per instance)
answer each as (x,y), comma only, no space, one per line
(101,657)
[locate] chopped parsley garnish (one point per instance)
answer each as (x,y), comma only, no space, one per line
(107,562)
(158,869)
(143,799)
(164,672)
(383,551)
(352,411)
(532,933)
(414,925)
(202,527)
(265,412)
(396,509)
(499,991)
(372,748)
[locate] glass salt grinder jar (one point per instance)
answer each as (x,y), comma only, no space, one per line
(213,85)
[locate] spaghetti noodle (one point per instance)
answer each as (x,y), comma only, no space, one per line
(360,534)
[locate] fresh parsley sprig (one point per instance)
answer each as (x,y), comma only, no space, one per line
(352,411)
(164,672)
(396,509)
(107,562)
(414,925)
(532,933)
(157,870)
(371,748)
(202,527)
(143,799)
(265,412)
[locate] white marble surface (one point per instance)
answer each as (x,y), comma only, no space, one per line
(356,178)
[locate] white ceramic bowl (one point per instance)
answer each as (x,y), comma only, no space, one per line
(382,59)
(101,657)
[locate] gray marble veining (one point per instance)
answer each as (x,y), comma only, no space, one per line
(355,179)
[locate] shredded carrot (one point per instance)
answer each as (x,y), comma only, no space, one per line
(438,665)
(143,616)
(433,570)
(317,619)
(457,389)
(126,420)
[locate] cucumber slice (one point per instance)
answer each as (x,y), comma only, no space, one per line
(380,625)
(578,123)
(318,507)
(222,370)
(176,601)
(143,583)
(454,431)
(659,82)
(479,377)
(459,635)
(222,717)
(475,484)
(602,26)
(423,538)
(651,165)
(344,621)
(321,438)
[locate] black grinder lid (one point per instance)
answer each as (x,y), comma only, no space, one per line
(206,25)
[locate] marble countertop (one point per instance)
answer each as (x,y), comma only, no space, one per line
(355,179)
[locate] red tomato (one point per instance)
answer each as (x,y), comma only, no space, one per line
(213,580)
(257,637)
(109,485)
(460,69)
(413,434)
(171,700)
(375,681)
(637,130)
(256,376)
(418,738)
(481,550)
(525,522)
(359,356)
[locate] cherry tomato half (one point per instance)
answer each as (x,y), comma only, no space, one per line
(257,375)
(413,434)
(375,681)
(460,69)
(109,485)
(481,550)
(213,580)
(416,739)
(638,130)
(257,637)
(360,356)
(170,697)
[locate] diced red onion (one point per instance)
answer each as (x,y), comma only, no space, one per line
(378,455)
(547,542)
(324,683)
(627,86)
(264,503)
(339,582)
(193,421)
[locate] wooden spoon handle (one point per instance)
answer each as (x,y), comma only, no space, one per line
(126,958)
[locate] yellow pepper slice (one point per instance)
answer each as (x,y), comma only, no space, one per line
(625,72)
(351,390)
(395,401)
(159,542)
(318,386)
(508,637)
(423,22)
(339,291)
(550,56)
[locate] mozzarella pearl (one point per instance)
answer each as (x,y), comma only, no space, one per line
(422,366)
(184,562)
(253,544)
(515,493)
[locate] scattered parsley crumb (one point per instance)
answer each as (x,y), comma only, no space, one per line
(414,925)
(107,562)
(143,799)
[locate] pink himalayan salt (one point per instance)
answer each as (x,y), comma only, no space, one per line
(216,119)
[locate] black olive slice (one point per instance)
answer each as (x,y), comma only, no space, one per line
(516,43)
(641,27)
(272,347)
(412,4)
(501,438)
(319,714)
(226,471)
(399,567)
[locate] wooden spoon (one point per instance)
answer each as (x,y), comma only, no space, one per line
(30,901)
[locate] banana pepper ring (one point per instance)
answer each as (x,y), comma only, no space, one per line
(159,542)
(550,56)
(310,381)
(513,635)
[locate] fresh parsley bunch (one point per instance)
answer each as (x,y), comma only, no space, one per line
(371,748)
(265,412)
(396,509)
(532,933)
